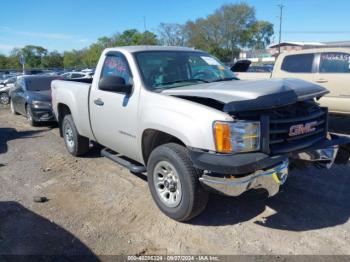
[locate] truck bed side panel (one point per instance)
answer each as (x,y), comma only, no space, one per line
(75,95)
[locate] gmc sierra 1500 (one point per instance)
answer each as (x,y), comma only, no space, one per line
(181,116)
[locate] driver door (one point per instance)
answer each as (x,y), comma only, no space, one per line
(114,115)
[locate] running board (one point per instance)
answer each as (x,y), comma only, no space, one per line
(115,157)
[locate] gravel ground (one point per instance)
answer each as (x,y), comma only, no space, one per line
(97,207)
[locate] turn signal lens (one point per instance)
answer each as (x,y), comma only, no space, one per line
(222,133)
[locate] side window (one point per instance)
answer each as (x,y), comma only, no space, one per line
(335,63)
(76,75)
(116,65)
(298,63)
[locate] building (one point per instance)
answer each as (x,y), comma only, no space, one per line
(293,46)
(270,54)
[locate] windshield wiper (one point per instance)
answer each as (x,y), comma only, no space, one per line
(184,81)
(225,79)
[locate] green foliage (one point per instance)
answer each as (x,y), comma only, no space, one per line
(72,59)
(231,27)
(52,60)
(33,55)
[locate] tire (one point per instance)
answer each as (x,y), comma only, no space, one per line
(29,114)
(12,107)
(76,144)
(191,198)
(4,98)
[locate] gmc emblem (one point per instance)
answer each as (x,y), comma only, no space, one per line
(301,129)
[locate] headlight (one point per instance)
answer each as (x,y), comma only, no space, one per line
(239,136)
(41,104)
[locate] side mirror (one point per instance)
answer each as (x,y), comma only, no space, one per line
(114,84)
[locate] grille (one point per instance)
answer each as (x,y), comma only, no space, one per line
(282,142)
(276,126)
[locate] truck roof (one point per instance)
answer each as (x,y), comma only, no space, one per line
(317,50)
(140,48)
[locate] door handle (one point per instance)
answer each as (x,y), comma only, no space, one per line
(321,80)
(99,102)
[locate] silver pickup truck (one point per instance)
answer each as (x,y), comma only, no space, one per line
(181,116)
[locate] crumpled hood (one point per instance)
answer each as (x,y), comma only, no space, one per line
(240,95)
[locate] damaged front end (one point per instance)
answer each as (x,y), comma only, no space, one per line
(295,135)
(333,150)
(336,150)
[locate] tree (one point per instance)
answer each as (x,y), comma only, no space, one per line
(134,37)
(72,59)
(260,35)
(33,55)
(3,62)
(172,34)
(52,60)
(13,59)
(229,28)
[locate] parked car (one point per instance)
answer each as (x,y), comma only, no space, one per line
(244,70)
(328,67)
(31,97)
(76,75)
(181,116)
(5,87)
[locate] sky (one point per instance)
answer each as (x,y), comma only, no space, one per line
(74,24)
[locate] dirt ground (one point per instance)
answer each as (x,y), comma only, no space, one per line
(96,207)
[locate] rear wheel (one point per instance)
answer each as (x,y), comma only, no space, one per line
(174,183)
(76,144)
(30,118)
(4,98)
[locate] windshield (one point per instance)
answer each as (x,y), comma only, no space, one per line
(169,69)
(39,84)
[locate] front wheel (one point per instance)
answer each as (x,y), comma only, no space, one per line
(13,110)
(4,98)
(174,183)
(30,118)
(76,144)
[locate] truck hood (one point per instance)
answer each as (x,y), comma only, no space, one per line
(243,95)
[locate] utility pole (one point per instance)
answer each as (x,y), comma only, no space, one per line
(281,6)
(144,24)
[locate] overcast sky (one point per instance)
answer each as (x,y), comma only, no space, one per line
(67,24)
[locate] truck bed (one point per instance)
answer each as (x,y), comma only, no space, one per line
(75,95)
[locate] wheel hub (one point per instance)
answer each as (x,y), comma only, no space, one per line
(68,133)
(4,99)
(167,184)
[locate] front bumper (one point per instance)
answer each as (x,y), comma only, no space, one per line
(242,172)
(43,114)
(270,180)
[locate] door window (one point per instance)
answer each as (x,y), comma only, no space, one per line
(335,62)
(116,65)
(298,63)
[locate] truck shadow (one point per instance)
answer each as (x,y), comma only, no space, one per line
(8,134)
(23,232)
(309,200)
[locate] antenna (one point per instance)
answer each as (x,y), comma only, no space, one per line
(281,6)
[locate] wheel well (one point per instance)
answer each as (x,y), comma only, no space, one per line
(153,138)
(62,110)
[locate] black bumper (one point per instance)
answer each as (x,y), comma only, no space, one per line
(43,114)
(246,163)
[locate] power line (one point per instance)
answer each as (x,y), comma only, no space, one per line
(144,24)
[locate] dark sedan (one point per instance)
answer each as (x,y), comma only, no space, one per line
(31,97)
